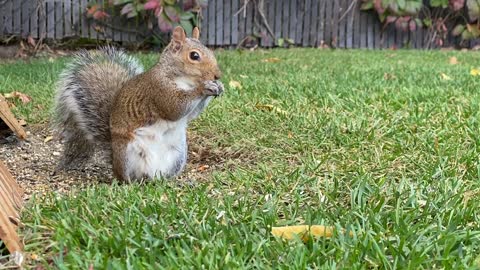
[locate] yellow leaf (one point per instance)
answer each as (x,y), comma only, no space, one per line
(453,60)
(271,60)
(445,77)
(243,76)
(235,85)
(303,231)
(475,72)
(47,139)
(16,94)
(268,107)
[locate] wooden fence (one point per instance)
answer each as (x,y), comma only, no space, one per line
(338,23)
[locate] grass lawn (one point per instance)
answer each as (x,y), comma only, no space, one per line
(383,143)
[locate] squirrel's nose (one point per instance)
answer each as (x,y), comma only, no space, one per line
(217,77)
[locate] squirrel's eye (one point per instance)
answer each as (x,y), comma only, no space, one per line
(194,56)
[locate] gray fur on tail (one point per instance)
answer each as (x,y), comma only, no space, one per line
(85,92)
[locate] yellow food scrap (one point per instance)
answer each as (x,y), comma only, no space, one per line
(304,231)
(475,72)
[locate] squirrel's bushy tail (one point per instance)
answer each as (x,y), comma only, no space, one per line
(85,93)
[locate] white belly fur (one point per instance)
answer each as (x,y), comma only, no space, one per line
(159,150)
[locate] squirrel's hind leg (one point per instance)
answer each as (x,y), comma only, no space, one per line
(77,151)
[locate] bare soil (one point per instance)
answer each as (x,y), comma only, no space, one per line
(32,162)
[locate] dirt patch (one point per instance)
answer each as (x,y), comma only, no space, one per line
(32,163)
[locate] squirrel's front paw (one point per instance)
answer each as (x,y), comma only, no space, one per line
(213,88)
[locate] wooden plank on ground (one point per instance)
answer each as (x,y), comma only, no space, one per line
(10,120)
(211,23)
(10,206)
(219,23)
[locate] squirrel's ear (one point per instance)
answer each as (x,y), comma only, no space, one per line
(195,33)
(178,34)
(178,38)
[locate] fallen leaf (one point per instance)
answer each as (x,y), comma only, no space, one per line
(23,97)
(445,77)
(47,139)
(304,231)
(453,60)
(290,135)
(34,257)
(271,60)
(268,107)
(389,76)
(475,72)
(243,76)
(235,84)
(22,122)
(202,168)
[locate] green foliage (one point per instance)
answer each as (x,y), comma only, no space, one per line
(406,16)
(374,141)
(163,15)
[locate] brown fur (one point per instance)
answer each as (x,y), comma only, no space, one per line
(154,96)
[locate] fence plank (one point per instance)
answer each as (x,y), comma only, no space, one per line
(34,19)
(59,19)
(67,13)
(249,19)
(83,19)
(219,22)
(50,14)
(370,34)
(342,22)
(26,17)
(293,20)
(377,31)
(8,17)
(314,23)
(278,21)
(363,29)
(270,14)
(17,24)
(211,23)
(327,37)
(3,11)
(285,20)
(350,16)
(42,20)
(76,17)
(335,23)
(306,22)
(203,25)
(227,22)
(234,34)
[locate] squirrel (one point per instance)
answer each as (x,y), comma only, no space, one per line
(106,101)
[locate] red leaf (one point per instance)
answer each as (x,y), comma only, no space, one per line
(390,19)
(151,4)
(100,14)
